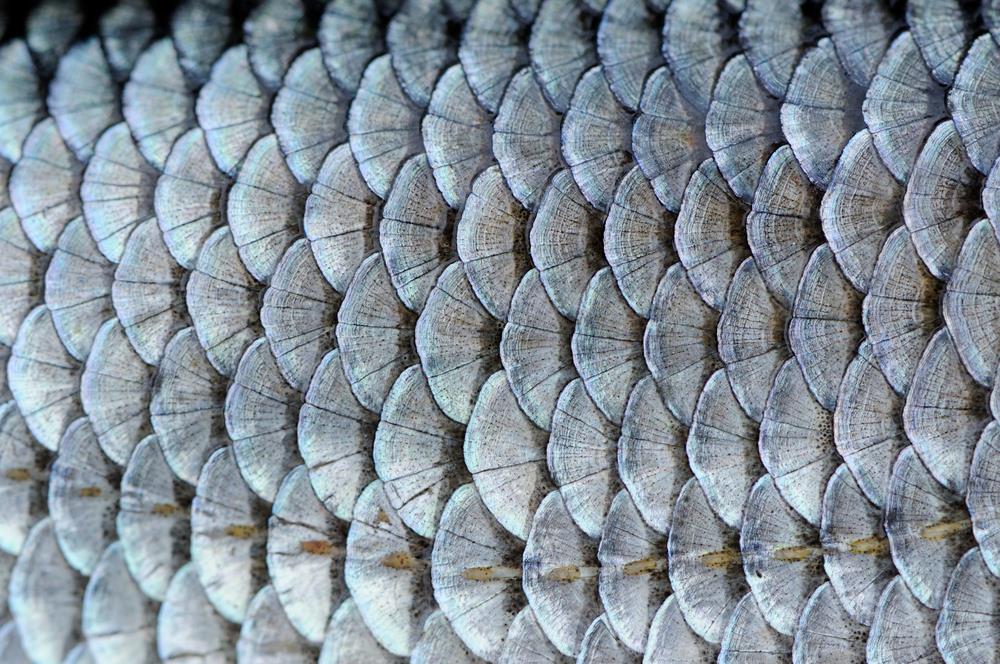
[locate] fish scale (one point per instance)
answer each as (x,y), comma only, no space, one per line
(500,331)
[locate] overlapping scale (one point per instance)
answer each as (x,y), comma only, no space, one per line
(195,28)
(24,104)
(309,115)
(188,626)
(22,271)
(24,483)
(153,521)
(335,436)
(157,101)
(232,109)
(421,40)
(457,135)
(275,32)
(972,106)
(125,30)
(350,34)
(266,634)
(341,218)
(826,631)
(562,47)
(119,622)
(83,98)
(44,185)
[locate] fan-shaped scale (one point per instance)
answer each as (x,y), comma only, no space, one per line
(476,573)
(826,633)
(44,185)
(335,435)
(187,406)
(309,115)
(492,49)
(945,412)
(439,643)
(902,629)
(942,200)
(148,292)
(24,464)
(188,626)
(825,328)
(973,105)
(607,345)
(671,637)
(971,303)
(862,204)
(749,638)
(560,577)
(742,126)
(797,442)
(526,643)
(820,101)
(228,537)
(966,627)
(867,424)
(115,390)
(457,135)
(942,31)
(190,197)
(305,556)
(628,45)
(982,497)
(722,449)
(222,299)
(633,582)
(582,455)
(601,645)
(861,32)
(43,378)
(710,233)
(526,139)
(374,333)
(83,497)
(422,42)
(275,32)
(680,342)
(50,28)
(200,30)
(267,636)
(22,104)
(928,527)
(78,285)
(341,218)
(491,241)
(22,270)
(383,125)
(855,549)
(299,315)
(232,109)
(706,573)
(596,139)
(415,232)
(157,102)
(348,639)
(506,454)
(782,559)
(901,310)
(638,240)
(264,208)
(262,414)
(698,37)
(417,453)
(752,338)
(44,597)
(153,521)
(561,48)
(83,97)
(388,572)
(350,35)
(119,622)
(565,243)
(652,462)
(902,106)
(774,36)
(125,30)
(668,138)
